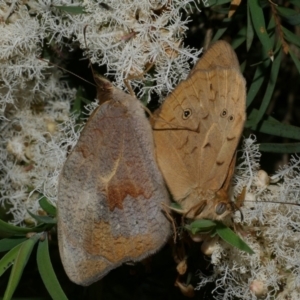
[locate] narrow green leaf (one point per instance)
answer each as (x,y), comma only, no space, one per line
(250,31)
(202,226)
(259,75)
(221,31)
(220,9)
(9,258)
(79,100)
(12,229)
(227,235)
(208,3)
(290,15)
(72,10)
(47,273)
(76,107)
(243,66)
(295,59)
(19,265)
(269,91)
(221,2)
(47,206)
(258,21)
(280,148)
(43,219)
(239,38)
(176,206)
(295,2)
(273,127)
(271,29)
(258,79)
(9,243)
(291,37)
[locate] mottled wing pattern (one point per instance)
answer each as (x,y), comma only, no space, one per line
(111,193)
(198,127)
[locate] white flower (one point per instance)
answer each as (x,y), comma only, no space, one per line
(271,230)
(37,127)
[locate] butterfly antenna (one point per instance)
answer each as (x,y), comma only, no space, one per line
(59,67)
(85,42)
(275,202)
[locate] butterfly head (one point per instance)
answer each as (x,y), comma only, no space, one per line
(214,208)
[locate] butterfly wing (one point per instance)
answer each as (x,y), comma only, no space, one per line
(197,128)
(111,193)
(220,54)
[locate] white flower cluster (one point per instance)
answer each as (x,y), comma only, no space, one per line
(37,128)
(271,230)
(132,36)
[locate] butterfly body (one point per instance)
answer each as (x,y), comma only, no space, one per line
(110,191)
(196,133)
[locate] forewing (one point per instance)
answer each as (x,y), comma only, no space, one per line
(197,128)
(220,54)
(222,92)
(111,194)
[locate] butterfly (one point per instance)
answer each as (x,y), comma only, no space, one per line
(197,130)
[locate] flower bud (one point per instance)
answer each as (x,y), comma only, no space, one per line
(258,288)
(262,179)
(209,246)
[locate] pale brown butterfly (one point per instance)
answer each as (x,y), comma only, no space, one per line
(196,133)
(111,192)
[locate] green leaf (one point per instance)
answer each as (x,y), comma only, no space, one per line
(220,32)
(274,127)
(257,81)
(291,37)
(19,265)
(295,2)
(208,3)
(9,258)
(269,91)
(227,235)
(47,206)
(201,226)
(72,10)
(258,21)
(280,148)
(239,38)
(42,219)
(250,31)
(243,66)
(295,59)
(47,273)
(12,229)
(220,9)
(79,99)
(176,207)
(9,243)
(290,15)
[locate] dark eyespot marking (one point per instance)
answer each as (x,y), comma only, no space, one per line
(186,113)
(231,118)
(223,113)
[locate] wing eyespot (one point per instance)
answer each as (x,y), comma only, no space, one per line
(231,118)
(223,113)
(187,113)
